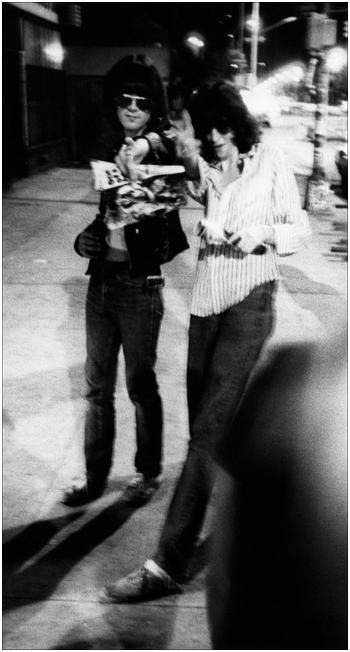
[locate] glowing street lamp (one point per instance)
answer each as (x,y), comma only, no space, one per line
(195,41)
(254,25)
(297,73)
(55,53)
(284,21)
(336,59)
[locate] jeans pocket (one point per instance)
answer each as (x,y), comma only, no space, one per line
(136,282)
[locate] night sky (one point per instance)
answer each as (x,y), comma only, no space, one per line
(168,23)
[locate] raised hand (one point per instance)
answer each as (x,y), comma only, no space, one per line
(182,133)
(130,155)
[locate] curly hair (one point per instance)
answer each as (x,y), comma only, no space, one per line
(134,74)
(219,105)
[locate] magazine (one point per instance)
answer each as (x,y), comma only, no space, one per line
(157,190)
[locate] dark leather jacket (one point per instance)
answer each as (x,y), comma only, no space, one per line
(153,241)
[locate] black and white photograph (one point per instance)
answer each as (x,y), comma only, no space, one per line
(175,325)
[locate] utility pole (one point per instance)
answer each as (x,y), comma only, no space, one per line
(254,43)
(321,34)
(241,27)
(319,173)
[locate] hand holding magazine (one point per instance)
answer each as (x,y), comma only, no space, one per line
(156,190)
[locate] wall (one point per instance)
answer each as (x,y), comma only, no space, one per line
(34,104)
(97,61)
(86,68)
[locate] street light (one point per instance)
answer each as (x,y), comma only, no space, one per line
(195,41)
(297,73)
(289,19)
(336,59)
(55,53)
(258,35)
(253,24)
(196,44)
(254,43)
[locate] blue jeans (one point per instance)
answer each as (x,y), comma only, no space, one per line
(223,350)
(121,311)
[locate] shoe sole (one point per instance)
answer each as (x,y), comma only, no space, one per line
(80,503)
(138,502)
(107,598)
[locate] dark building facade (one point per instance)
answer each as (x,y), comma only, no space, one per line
(34,89)
(52,89)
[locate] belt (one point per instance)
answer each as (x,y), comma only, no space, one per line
(115,265)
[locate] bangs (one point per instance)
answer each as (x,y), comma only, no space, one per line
(138,88)
(134,75)
(214,121)
(220,106)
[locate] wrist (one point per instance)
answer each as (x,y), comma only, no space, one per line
(188,149)
(269,235)
(142,148)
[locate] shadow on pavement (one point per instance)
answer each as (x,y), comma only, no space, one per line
(324,301)
(130,627)
(296,282)
(40,579)
(149,625)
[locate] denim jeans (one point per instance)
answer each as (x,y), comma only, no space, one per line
(223,350)
(122,312)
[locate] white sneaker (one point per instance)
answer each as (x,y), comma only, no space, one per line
(140,585)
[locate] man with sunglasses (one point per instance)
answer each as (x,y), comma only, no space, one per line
(134,112)
(124,305)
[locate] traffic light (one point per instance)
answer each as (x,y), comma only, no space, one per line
(321,32)
(345,29)
(69,13)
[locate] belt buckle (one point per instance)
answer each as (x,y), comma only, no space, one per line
(155,282)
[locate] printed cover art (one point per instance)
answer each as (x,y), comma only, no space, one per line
(157,189)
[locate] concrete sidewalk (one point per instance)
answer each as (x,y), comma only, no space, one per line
(55,559)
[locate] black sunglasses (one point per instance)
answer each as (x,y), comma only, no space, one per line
(142,103)
(222,127)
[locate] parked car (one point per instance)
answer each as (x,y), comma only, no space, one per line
(341,161)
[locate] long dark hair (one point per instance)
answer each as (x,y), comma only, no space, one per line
(219,105)
(135,74)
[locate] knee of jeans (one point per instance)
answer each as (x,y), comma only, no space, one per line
(202,448)
(142,386)
(98,397)
(145,397)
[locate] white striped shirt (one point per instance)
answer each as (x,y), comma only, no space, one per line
(265,193)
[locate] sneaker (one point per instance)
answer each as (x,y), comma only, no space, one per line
(140,489)
(140,585)
(81,494)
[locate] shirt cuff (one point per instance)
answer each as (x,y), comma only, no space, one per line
(290,238)
(197,187)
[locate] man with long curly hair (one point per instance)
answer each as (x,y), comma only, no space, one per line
(252,215)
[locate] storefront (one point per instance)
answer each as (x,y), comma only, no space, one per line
(34,96)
